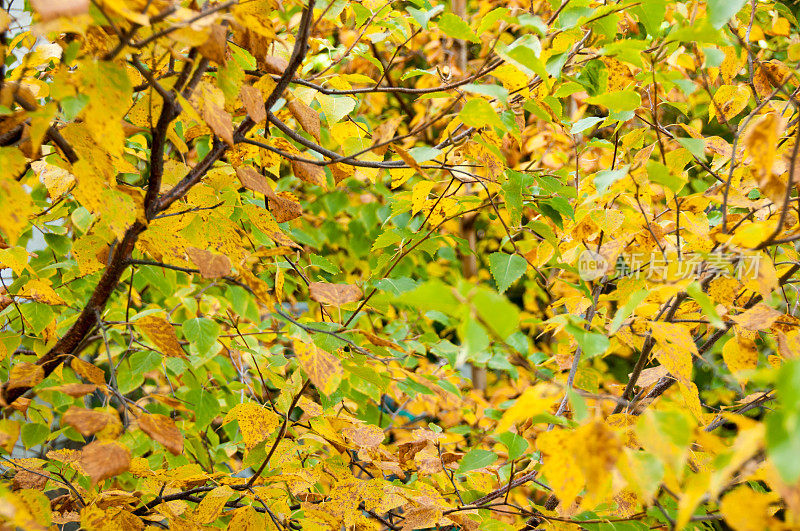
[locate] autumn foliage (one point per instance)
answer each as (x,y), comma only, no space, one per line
(400,265)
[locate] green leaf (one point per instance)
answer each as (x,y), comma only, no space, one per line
(651,15)
(706,304)
(584,123)
(660,174)
(619,101)
(592,344)
(721,11)
(476,458)
(604,179)
(515,444)
(501,315)
(506,268)
(456,27)
(34,434)
(202,333)
(424,154)
(633,301)
(512,193)
(493,91)
(479,113)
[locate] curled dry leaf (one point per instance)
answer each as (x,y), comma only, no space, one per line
(104,459)
(211,265)
(307,117)
(162,430)
(335,294)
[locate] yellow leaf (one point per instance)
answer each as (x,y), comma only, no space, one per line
(212,504)
(761,141)
(41,291)
(740,354)
(559,465)
(747,510)
(58,181)
(419,195)
(674,349)
(256,423)
(729,100)
(533,401)
(160,332)
(25,375)
(731,65)
(247,519)
(322,368)
(759,317)
(400,176)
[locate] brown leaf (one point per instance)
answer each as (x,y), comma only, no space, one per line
(253,101)
(385,132)
(310,173)
(284,207)
(252,180)
(758,317)
(75,390)
(25,375)
(87,371)
(50,9)
(275,65)
(335,294)
(104,459)
(307,117)
(161,429)
(215,46)
(160,332)
(88,421)
(219,120)
(211,265)
(30,480)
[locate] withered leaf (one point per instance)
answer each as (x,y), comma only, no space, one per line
(275,65)
(335,294)
(253,100)
(88,422)
(310,173)
(163,430)
(104,459)
(211,265)
(252,180)
(307,117)
(215,46)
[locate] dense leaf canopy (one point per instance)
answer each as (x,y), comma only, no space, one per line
(400,265)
